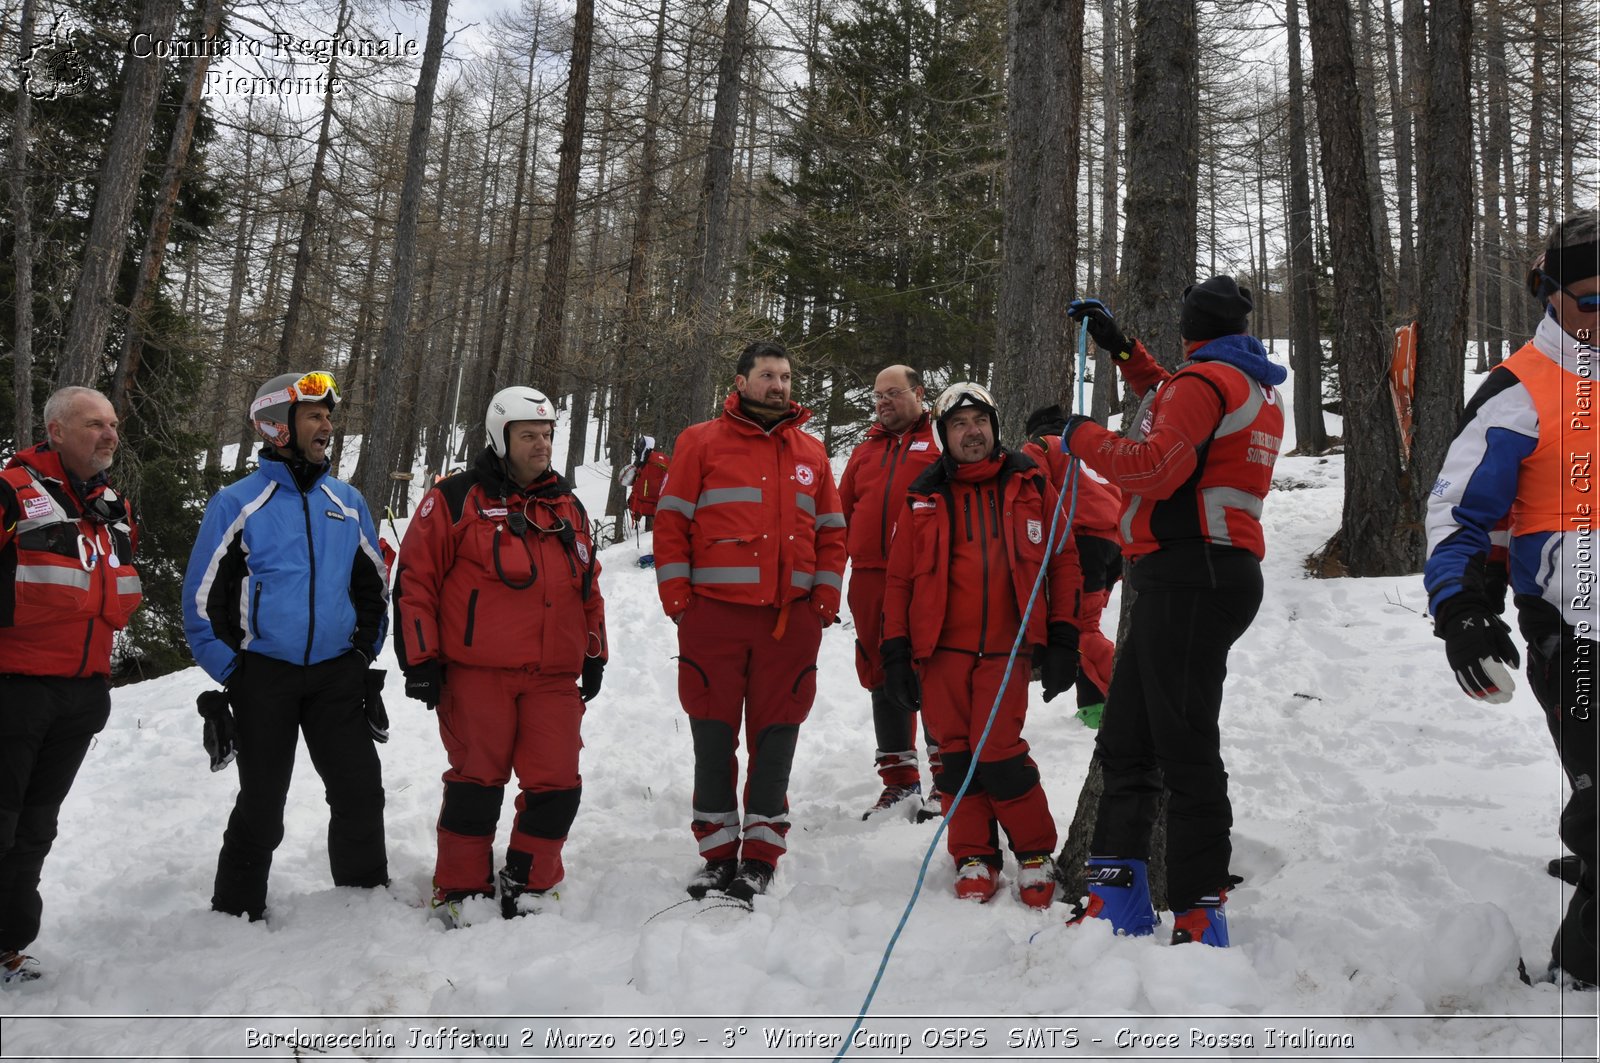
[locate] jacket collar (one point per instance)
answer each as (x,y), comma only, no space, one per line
(490,471)
(45,464)
(1570,354)
(1243,352)
(297,473)
(797,416)
(937,477)
(877,431)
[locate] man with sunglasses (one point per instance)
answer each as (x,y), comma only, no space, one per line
(872,494)
(67,582)
(1522,461)
(749,564)
(285,602)
(500,626)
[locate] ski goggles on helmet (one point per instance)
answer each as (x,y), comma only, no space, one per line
(316,386)
(959,395)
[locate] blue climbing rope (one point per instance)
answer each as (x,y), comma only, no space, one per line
(994,710)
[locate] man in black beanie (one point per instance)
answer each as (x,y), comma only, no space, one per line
(1193,475)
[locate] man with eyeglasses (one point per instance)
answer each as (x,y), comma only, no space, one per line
(67,583)
(872,494)
(500,626)
(285,602)
(1522,462)
(749,564)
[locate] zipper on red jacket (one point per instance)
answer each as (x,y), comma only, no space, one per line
(88,635)
(888,494)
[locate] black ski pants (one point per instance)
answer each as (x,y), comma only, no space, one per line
(46,725)
(1160,725)
(273,701)
(1562,672)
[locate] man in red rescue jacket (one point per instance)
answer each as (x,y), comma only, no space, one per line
(1193,476)
(1094,529)
(67,582)
(499,622)
(750,562)
(962,569)
(872,491)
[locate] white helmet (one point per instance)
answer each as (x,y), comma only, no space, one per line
(515,404)
(954,398)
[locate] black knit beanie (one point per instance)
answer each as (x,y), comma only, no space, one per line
(1046,421)
(1217,307)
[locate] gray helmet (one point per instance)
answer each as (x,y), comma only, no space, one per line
(272,410)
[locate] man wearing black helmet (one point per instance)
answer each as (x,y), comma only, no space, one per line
(285,603)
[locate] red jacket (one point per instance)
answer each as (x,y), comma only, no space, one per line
(67,580)
(1202,463)
(750,515)
(644,491)
(916,601)
(872,490)
(468,590)
(1099,501)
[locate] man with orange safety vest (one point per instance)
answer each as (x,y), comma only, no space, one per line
(67,583)
(872,491)
(1521,460)
(750,559)
(965,561)
(1193,475)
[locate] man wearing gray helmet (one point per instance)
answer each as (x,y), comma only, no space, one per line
(285,603)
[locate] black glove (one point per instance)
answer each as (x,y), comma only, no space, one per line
(425,682)
(594,670)
(1060,666)
(377,718)
(219,735)
(1072,423)
(1478,645)
(900,678)
(1102,326)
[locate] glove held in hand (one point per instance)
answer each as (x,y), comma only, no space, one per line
(1479,648)
(218,733)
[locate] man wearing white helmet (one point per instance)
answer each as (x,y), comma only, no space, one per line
(285,602)
(963,565)
(500,625)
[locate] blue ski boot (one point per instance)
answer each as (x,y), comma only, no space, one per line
(1119,890)
(1206,922)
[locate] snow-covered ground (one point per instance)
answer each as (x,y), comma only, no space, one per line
(1392,834)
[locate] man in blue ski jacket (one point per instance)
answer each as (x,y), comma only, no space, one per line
(285,602)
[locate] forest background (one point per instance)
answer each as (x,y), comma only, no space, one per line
(607,198)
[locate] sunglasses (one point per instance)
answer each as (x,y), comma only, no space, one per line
(1588,303)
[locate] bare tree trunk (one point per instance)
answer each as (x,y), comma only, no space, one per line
(1310,429)
(1044,89)
(124,382)
(705,292)
(549,329)
(1105,375)
(116,196)
(1158,261)
(378,446)
(289,344)
(502,374)
(1401,105)
(1379,521)
(22,249)
(1367,80)
(1445,224)
(636,308)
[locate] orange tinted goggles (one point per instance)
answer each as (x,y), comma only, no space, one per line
(315,386)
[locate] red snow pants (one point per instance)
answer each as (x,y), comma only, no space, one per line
(495,721)
(731,669)
(958,689)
